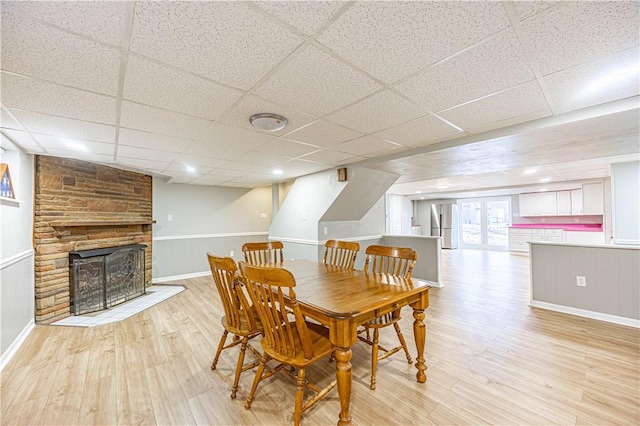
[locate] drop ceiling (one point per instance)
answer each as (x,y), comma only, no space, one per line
(454,97)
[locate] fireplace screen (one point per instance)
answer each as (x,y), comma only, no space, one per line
(104,278)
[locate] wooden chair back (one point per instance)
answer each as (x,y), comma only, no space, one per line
(267,288)
(234,301)
(397,261)
(263,252)
(341,253)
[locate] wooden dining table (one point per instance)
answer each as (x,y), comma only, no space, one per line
(342,299)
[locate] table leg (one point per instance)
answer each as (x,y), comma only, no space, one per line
(420,333)
(344,378)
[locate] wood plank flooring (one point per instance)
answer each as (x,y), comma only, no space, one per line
(492,360)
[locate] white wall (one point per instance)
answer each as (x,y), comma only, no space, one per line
(625,183)
(204,219)
(17,300)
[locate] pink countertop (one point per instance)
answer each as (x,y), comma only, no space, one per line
(582,227)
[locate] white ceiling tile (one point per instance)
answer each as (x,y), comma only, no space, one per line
(250,105)
(239,166)
(329,156)
(323,133)
(58,126)
(391,40)
(182,177)
(145,154)
(447,84)
(527,9)
(287,148)
(36,50)
(84,156)
(366,146)
(306,16)
(143,164)
(206,37)
(142,117)
(99,20)
(7,122)
(178,168)
(579,32)
(34,95)
(266,159)
(157,141)
(419,132)
(227,143)
(234,184)
(181,91)
(79,146)
(380,111)
(596,82)
(228,174)
(513,103)
(207,180)
(316,83)
(23,139)
(198,161)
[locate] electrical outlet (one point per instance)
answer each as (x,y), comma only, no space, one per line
(170,218)
(581,281)
(326,230)
(231,253)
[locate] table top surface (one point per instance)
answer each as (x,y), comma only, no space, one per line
(337,292)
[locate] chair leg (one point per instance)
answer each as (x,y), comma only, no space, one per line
(297,410)
(256,380)
(374,358)
(223,339)
(402,342)
(243,349)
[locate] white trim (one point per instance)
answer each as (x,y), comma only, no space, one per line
(10,201)
(179,277)
(15,345)
(227,235)
(626,242)
(629,322)
(15,258)
(322,242)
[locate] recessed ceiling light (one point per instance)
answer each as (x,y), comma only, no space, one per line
(267,121)
(418,192)
(443,186)
(76,146)
(545,180)
(277,171)
(543,190)
(190,169)
(422,198)
(530,171)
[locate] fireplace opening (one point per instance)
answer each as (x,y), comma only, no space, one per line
(103,278)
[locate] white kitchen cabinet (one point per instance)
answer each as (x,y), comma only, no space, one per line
(563,199)
(592,198)
(576,201)
(518,239)
(538,204)
(578,237)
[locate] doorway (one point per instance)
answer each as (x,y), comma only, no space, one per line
(484,223)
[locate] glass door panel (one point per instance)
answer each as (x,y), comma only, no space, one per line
(497,223)
(471,223)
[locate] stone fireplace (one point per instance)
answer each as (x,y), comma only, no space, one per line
(83,206)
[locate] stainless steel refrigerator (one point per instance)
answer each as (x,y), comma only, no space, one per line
(444,223)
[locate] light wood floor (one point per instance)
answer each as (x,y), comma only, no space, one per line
(492,360)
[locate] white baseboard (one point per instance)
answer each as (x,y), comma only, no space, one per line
(13,348)
(179,277)
(629,322)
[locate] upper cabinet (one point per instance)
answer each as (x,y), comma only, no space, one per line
(592,198)
(588,200)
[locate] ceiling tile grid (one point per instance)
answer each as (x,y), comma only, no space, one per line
(160,142)
(367,146)
(286,148)
(50,143)
(145,153)
(512,103)
(37,50)
(380,111)
(581,31)
(142,117)
(181,91)
(471,75)
(419,132)
(317,83)
(329,156)
(305,16)
(47,98)
(323,133)
(205,38)
(65,127)
(24,139)
(7,122)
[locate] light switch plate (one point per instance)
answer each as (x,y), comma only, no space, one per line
(581,281)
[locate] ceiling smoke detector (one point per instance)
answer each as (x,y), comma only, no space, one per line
(269,122)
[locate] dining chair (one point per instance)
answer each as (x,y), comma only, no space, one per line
(263,252)
(341,253)
(239,319)
(293,342)
(396,261)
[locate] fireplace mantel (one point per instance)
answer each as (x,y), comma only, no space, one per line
(62,225)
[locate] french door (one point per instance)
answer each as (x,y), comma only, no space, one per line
(485,222)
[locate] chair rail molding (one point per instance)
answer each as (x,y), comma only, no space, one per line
(4,263)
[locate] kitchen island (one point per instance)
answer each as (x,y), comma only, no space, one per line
(591,280)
